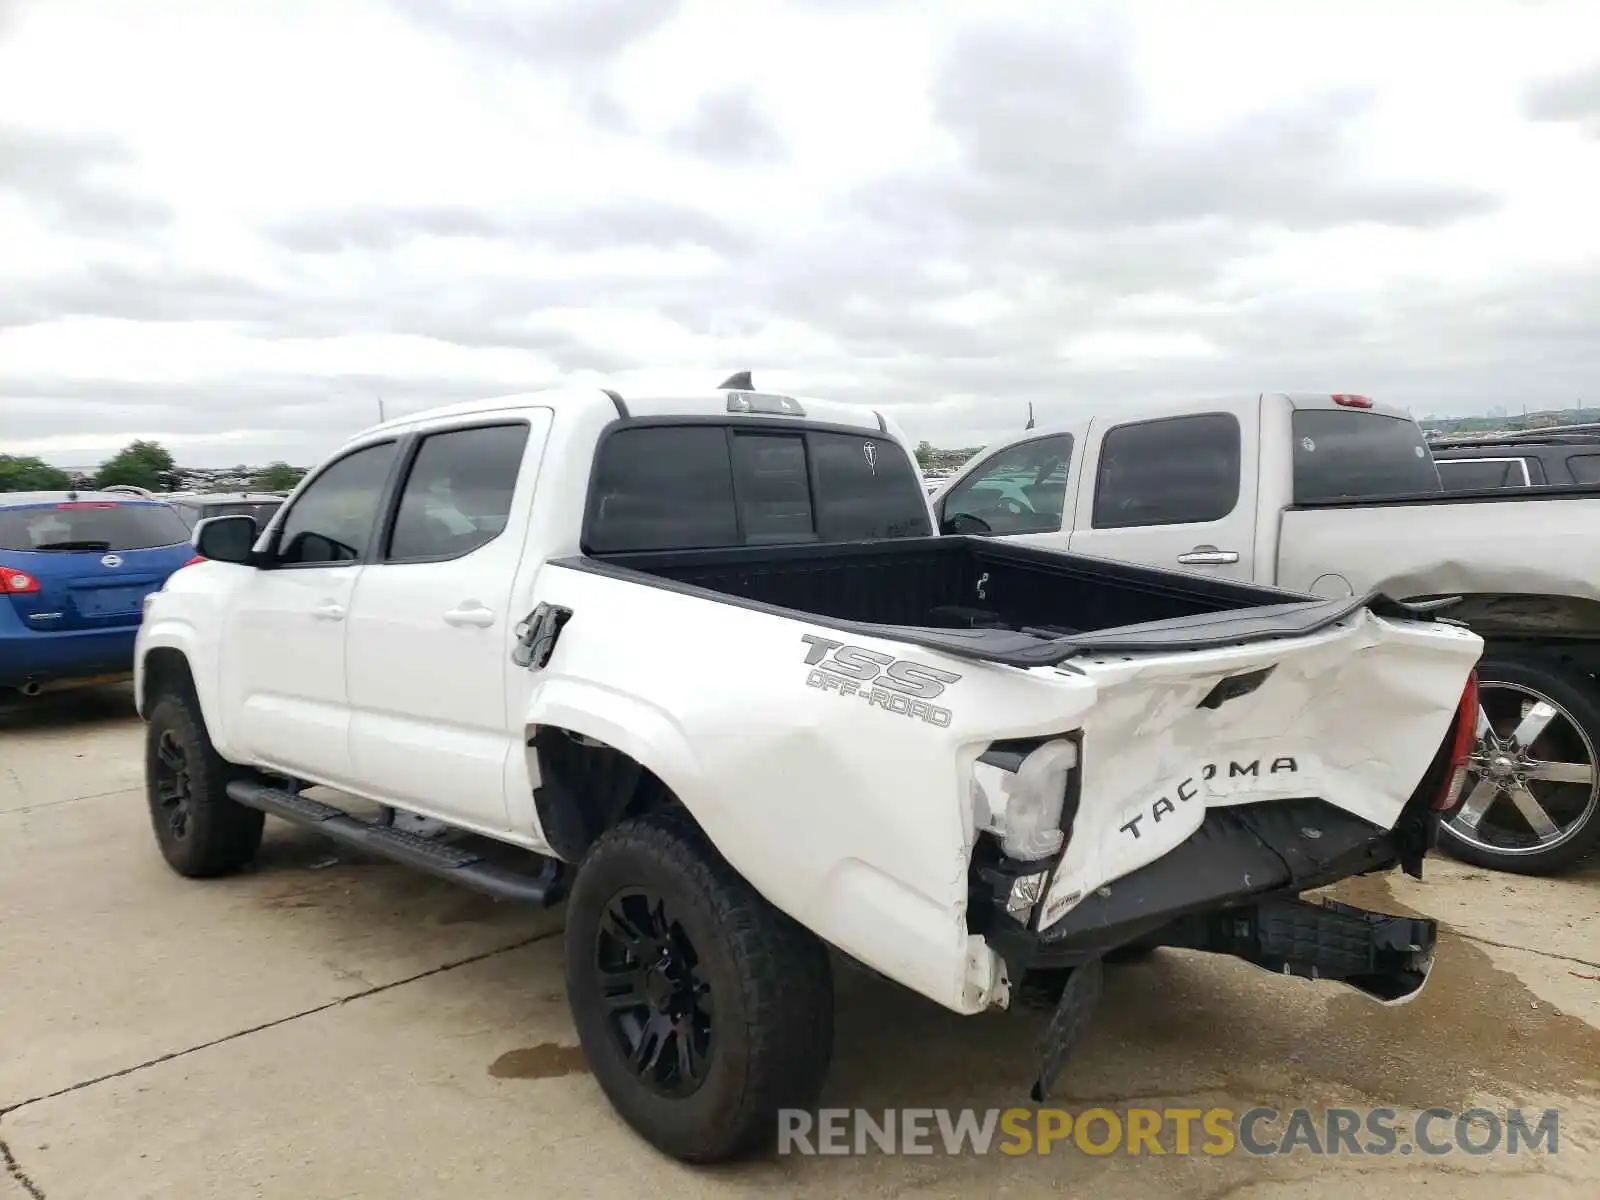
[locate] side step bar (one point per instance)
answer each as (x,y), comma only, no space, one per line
(455,863)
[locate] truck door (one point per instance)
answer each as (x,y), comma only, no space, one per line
(283,644)
(1023,493)
(1177,491)
(431,624)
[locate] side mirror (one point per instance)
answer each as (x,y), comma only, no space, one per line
(226,539)
(965,523)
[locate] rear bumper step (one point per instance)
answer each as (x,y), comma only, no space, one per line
(1386,958)
(458,864)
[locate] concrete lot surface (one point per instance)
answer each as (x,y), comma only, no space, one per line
(326,1027)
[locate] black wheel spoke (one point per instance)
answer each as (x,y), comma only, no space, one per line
(652,1040)
(624,990)
(692,1055)
(620,928)
(170,754)
(656,1000)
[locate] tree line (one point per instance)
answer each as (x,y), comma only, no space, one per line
(144,464)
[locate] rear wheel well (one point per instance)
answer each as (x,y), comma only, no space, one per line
(1527,614)
(166,673)
(586,786)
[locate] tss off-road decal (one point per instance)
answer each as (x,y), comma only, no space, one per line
(878,679)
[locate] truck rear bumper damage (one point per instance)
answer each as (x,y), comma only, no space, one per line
(1232,888)
(1239,857)
(1386,958)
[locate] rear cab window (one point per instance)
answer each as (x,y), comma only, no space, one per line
(90,525)
(1585,468)
(711,485)
(1343,454)
(1479,474)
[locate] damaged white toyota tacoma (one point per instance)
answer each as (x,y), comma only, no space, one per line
(700,667)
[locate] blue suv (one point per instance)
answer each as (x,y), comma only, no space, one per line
(75,568)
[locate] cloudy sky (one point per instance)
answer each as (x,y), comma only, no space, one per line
(235,224)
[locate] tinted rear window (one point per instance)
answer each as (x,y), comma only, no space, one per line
(1585,468)
(703,486)
(1475,474)
(1344,455)
(662,489)
(91,525)
(865,488)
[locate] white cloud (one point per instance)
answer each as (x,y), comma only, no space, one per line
(233,226)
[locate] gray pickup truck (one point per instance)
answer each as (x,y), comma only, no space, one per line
(1337,496)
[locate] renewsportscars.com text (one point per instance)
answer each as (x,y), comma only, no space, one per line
(1435,1132)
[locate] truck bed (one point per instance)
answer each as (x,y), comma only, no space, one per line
(987,599)
(1525,559)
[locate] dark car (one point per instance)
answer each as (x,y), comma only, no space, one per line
(1519,460)
(198,507)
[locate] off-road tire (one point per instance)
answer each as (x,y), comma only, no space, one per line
(1579,694)
(218,835)
(769,980)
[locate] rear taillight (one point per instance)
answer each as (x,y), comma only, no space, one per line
(17,583)
(198,558)
(1346,400)
(1465,735)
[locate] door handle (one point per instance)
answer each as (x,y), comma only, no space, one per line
(328,611)
(1208,556)
(470,614)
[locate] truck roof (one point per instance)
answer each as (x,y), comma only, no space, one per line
(712,402)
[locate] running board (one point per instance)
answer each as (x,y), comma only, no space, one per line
(455,863)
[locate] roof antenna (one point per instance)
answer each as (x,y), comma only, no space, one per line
(739,382)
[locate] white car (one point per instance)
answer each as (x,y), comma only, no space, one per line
(700,665)
(1339,496)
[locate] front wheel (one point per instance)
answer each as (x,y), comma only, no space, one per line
(702,1009)
(1531,803)
(200,831)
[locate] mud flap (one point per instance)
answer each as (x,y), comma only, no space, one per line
(1079,999)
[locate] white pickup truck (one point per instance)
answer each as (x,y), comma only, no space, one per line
(1337,496)
(700,666)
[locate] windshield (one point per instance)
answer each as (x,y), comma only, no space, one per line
(1352,455)
(99,525)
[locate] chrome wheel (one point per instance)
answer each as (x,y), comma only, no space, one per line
(1532,780)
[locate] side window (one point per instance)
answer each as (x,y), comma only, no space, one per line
(333,520)
(1022,489)
(769,478)
(1175,471)
(457,494)
(866,488)
(1585,468)
(662,488)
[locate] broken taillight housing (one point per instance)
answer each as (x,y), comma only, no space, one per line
(1465,734)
